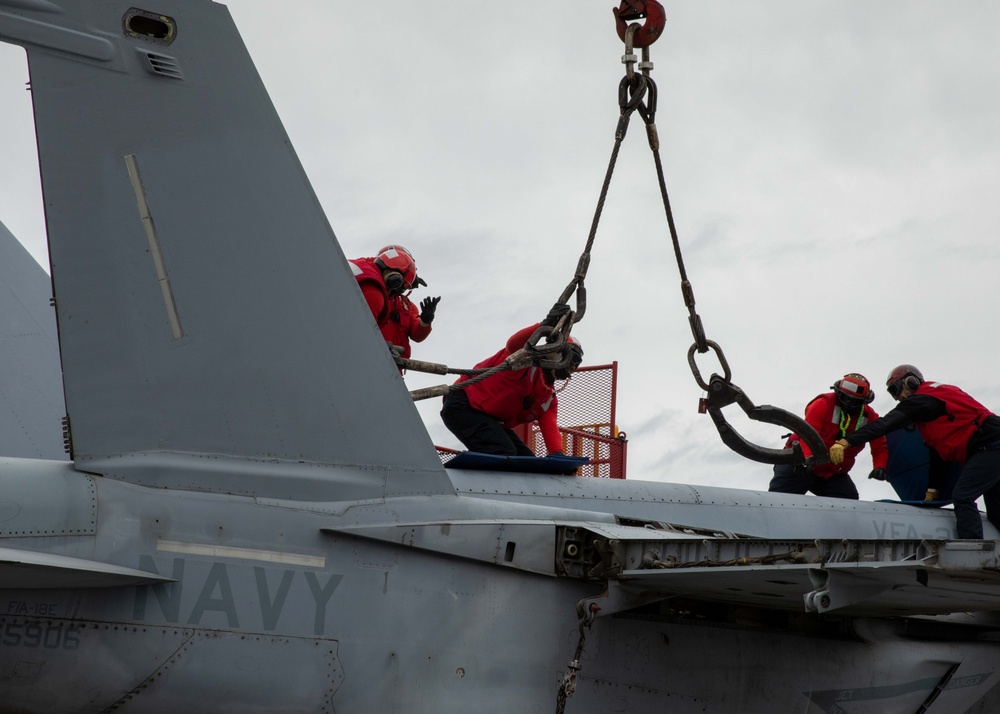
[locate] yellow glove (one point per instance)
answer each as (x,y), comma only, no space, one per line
(932,494)
(837,452)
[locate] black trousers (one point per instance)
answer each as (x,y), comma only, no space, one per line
(980,477)
(801,479)
(478,430)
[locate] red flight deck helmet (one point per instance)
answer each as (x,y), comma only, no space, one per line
(905,375)
(398,262)
(853,391)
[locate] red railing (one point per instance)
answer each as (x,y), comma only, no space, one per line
(607,456)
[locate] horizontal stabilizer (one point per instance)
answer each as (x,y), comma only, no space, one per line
(29,570)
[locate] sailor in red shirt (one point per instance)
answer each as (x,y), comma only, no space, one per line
(406,322)
(832,415)
(483,415)
(383,281)
(957,427)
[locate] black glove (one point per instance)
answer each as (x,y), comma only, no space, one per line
(555,453)
(427,307)
(878,475)
(557,311)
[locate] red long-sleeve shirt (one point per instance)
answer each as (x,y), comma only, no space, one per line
(520,396)
(829,419)
(403,324)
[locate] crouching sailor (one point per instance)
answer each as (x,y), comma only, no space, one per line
(483,415)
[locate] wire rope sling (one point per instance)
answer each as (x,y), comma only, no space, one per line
(637,94)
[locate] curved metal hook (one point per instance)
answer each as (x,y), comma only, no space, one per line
(651,29)
(721,393)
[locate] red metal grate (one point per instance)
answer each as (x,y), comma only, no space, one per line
(586,420)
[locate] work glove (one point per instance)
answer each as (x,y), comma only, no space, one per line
(555,453)
(932,494)
(557,311)
(837,452)
(878,475)
(427,308)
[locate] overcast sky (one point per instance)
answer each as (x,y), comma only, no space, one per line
(832,168)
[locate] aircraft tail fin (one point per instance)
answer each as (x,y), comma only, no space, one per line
(204,305)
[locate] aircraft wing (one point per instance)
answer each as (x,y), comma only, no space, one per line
(30,570)
(891,578)
(863,589)
(524,544)
(643,564)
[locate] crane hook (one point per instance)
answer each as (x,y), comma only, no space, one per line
(651,30)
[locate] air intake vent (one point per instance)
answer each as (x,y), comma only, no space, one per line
(163,65)
(149,26)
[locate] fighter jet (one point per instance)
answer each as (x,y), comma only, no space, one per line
(253,517)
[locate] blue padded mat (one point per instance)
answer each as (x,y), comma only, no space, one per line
(565,465)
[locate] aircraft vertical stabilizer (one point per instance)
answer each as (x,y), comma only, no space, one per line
(31,399)
(204,305)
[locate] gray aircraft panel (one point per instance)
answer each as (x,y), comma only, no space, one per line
(287,362)
(31,400)
(45,499)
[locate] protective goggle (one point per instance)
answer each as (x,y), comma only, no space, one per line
(895,389)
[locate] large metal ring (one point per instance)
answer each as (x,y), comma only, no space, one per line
(727,374)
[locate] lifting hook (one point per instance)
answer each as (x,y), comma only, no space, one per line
(651,30)
(722,392)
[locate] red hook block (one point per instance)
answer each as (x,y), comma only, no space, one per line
(650,31)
